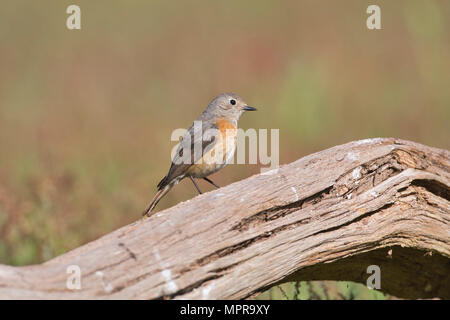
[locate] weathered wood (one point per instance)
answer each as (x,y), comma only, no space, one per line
(327,216)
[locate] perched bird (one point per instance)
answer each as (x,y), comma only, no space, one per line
(206,147)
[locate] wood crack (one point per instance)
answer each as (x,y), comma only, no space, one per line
(281,211)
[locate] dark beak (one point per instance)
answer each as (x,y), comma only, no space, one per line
(247,108)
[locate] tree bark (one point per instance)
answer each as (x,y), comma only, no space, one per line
(327,216)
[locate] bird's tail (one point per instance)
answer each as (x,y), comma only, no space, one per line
(161,193)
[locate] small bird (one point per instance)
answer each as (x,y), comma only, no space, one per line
(206,147)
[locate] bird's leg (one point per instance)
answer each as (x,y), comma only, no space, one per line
(195,184)
(212,182)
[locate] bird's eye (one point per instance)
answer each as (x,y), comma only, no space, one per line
(233,102)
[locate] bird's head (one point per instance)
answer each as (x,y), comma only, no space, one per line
(228,105)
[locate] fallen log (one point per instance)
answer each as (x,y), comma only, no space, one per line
(327,216)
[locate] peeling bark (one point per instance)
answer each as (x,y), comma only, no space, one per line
(327,216)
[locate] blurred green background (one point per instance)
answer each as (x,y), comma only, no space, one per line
(86,115)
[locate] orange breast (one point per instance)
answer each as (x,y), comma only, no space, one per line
(228,132)
(220,154)
(223,125)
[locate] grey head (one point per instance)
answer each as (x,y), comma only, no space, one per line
(226,105)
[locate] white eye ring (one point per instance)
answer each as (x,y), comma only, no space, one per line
(233,102)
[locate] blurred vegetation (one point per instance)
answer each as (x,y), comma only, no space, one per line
(86,116)
(322,290)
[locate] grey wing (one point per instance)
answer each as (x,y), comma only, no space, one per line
(197,140)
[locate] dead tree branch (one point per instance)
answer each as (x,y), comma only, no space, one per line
(327,216)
